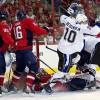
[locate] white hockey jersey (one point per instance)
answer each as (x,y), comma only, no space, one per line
(72,40)
(91,39)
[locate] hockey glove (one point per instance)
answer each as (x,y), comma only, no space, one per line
(46,28)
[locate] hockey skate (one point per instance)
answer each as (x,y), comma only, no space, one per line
(28,90)
(48,89)
(4,89)
(12,87)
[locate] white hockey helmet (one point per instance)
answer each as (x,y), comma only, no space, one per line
(81,18)
(73,8)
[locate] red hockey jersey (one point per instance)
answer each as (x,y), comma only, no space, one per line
(5,38)
(23,32)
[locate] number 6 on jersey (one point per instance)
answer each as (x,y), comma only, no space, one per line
(18,32)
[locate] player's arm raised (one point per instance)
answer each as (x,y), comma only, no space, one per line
(36,29)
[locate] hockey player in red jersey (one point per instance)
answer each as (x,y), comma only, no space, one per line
(23,31)
(5,42)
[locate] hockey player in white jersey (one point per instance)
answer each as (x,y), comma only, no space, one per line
(91,52)
(70,44)
(91,35)
(76,82)
(91,41)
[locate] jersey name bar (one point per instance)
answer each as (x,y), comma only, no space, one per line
(72,27)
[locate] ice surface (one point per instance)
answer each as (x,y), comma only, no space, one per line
(83,95)
(79,95)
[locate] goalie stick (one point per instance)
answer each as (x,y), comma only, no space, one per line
(45,64)
(45,42)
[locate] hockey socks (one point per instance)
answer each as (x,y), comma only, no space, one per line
(1,80)
(30,79)
(16,77)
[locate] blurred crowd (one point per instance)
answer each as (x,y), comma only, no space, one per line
(37,9)
(34,9)
(40,10)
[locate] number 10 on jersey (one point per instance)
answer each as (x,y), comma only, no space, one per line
(70,35)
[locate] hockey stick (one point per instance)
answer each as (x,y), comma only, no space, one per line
(45,64)
(85,34)
(45,41)
(51,49)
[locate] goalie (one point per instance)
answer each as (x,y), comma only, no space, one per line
(86,79)
(74,83)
